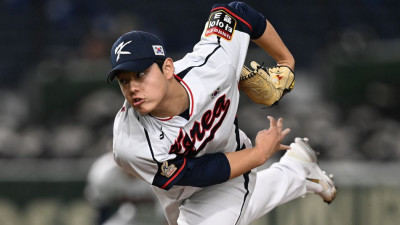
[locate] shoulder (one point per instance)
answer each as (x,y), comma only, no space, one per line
(240,16)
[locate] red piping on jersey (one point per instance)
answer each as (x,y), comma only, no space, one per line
(233,14)
(176,174)
(191,97)
(190,91)
(165,119)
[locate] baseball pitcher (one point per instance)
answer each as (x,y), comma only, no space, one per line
(178,130)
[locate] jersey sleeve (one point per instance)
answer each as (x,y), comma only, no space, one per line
(206,170)
(226,18)
(203,171)
(253,20)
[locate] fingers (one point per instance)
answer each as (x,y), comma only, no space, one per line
(284,147)
(285,132)
(272,121)
(280,124)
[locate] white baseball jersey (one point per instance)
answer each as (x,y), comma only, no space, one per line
(156,149)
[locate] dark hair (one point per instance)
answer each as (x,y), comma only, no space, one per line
(160,63)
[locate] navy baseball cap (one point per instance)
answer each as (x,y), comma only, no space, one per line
(135,51)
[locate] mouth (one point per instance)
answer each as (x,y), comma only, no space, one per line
(137,101)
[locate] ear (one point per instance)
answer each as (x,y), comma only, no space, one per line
(168,68)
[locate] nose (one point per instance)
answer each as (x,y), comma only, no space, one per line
(133,86)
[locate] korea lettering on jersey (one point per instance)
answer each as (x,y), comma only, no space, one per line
(156,149)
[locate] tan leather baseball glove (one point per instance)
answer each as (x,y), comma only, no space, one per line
(266,85)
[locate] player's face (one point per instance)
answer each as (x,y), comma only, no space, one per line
(144,90)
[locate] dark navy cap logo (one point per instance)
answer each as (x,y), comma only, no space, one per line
(135,51)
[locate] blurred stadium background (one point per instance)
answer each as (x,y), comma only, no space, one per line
(56,109)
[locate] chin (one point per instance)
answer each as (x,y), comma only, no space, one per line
(141,111)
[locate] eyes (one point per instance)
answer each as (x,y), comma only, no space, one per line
(124,78)
(140,74)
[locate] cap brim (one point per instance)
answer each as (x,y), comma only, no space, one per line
(131,66)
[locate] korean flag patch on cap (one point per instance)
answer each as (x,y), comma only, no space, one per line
(158,50)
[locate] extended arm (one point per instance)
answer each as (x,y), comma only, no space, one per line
(219,167)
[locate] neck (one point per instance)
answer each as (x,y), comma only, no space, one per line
(175,102)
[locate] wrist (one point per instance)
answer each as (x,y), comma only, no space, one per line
(259,156)
(288,62)
(290,65)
